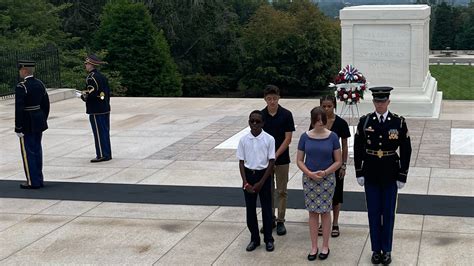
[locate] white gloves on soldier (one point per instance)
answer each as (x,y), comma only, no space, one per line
(400,184)
(20,135)
(361,180)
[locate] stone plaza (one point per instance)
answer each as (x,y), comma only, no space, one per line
(171,195)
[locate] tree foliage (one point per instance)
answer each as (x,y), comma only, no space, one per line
(137,50)
(30,24)
(296,48)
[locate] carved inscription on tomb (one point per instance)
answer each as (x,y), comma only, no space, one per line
(382,53)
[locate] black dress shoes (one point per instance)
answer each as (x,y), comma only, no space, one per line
(269,246)
(252,246)
(386,258)
(312,257)
(101,159)
(376,258)
(323,256)
(281,230)
(26,186)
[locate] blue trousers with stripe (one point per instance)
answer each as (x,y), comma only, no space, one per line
(100,124)
(381,206)
(32,155)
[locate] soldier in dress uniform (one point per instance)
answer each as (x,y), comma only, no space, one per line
(97,98)
(381,169)
(31,114)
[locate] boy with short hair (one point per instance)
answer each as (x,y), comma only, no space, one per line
(256,154)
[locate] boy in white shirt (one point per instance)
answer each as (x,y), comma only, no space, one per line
(256,154)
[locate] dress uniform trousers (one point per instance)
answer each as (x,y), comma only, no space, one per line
(32,155)
(265,194)
(100,124)
(381,206)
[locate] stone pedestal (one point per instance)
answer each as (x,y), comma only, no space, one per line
(389,44)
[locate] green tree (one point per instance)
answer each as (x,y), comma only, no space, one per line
(444,31)
(296,48)
(137,50)
(465,38)
(30,24)
(204,41)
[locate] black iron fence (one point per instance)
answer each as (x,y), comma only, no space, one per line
(47,67)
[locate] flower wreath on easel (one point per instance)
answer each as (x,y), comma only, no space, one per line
(349,85)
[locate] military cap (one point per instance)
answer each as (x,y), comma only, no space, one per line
(26,63)
(381,93)
(93,60)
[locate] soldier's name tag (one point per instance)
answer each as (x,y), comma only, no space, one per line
(393,134)
(369,129)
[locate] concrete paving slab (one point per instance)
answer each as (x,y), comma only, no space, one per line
(129,176)
(24,206)
(28,231)
(72,174)
(9,169)
(446,249)
(152,211)
(211,178)
(9,219)
(460,225)
(229,214)
(452,173)
(69,208)
(203,245)
(105,241)
(451,186)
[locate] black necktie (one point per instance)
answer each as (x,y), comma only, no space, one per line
(381,119)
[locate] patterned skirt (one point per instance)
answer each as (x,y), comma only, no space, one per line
(318,193)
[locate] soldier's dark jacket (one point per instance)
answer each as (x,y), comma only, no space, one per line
(31,106)
(98,93)
(375,149)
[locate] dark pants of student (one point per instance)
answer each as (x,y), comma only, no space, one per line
(265,194)
(32,155)
(100,124)
(381,206)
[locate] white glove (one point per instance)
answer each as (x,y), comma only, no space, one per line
(20,135)
(361,180)
(400,184)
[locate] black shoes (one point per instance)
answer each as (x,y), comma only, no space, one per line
(312,257)
(26,186)
(273,227)
(101,159)
(281,230)
(323,256)
(252,245)
(376,258)
(386,258)
(269,246)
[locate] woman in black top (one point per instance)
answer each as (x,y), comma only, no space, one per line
(339,126)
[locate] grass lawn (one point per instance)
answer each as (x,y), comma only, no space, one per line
(456,82)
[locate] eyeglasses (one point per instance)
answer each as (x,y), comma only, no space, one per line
(255,121)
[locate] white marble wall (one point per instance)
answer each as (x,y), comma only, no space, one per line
(389,44)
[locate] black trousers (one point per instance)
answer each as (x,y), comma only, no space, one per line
(100,124)
(32,155)
(265,195)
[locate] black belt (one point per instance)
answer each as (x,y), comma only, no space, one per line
(255,171)
(380,153)
(32,108)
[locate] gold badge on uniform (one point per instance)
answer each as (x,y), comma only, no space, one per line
(370,129)
(393,134)
(102,95)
